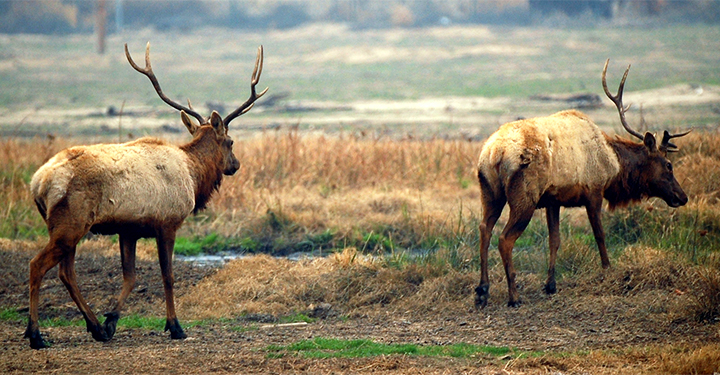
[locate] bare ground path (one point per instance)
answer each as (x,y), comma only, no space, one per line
(582,329)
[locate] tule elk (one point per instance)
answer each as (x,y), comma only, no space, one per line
(565,160)
(141,189)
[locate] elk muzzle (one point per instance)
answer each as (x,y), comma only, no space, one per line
(674,195)
(232,167)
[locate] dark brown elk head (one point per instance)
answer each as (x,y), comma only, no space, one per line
(656,177)
(215,123)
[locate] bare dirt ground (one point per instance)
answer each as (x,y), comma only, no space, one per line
(609,323)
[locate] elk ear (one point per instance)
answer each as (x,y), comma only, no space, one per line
(189,124)
(217,123)
(650,142)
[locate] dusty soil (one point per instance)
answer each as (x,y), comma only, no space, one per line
(605,332)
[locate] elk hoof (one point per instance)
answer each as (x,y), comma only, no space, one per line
(481,296)
(97,331)
(514,303)
(36,340)
(110,323)
(99,334)
(550,287)
(176,332)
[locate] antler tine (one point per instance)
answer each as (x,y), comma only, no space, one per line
(254,80)
(617,99)
(666,145)
(148,72)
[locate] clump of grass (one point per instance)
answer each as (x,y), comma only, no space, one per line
(704,360)
(706,296)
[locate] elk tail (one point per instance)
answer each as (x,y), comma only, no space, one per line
(41,207)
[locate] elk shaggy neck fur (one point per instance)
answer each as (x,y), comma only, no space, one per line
(629,185)
(202,153)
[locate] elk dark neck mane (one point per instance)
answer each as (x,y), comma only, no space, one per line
(628,186)
(205,159)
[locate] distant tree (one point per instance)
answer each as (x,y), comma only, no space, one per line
(38,16)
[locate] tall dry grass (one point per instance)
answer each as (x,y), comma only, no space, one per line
(364,191)
(380,194)
(19,158)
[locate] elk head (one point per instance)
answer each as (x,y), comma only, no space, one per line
(219,125)
(657,172)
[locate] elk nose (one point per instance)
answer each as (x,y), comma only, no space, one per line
(678,200)
(683,199)
(232,168)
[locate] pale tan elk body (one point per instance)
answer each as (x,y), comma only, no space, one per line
(140,189)
(564,152)
(565,160)
(151,181)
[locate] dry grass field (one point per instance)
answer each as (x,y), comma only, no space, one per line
(370,161)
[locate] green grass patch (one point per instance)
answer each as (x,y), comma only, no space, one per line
(10,314)
(296,318)
(214,243)
(334,348)
(130,321)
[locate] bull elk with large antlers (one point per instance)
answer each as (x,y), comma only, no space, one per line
(141,189)
(565,160)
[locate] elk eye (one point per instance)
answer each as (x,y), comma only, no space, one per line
(669,167)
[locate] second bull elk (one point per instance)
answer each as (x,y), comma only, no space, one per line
(141,189)
(565,160)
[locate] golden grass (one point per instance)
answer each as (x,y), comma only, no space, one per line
(345,181)
(703,360)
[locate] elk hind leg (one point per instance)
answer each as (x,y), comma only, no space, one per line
(69,279)
(166,243)
(48,258)
(127,256)
(519,218)
(553,223)
(491,213)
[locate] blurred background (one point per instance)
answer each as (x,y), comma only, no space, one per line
(69,16)
(420,67)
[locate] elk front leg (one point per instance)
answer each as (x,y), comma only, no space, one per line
(594,209)
(166,243)
(553,223)
(127,256)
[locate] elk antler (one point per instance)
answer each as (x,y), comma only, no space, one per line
(149,73)
(617,99)
(666,146)
(253,96)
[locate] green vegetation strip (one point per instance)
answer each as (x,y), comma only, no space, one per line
(138,321)
(333,348)
(129,321)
